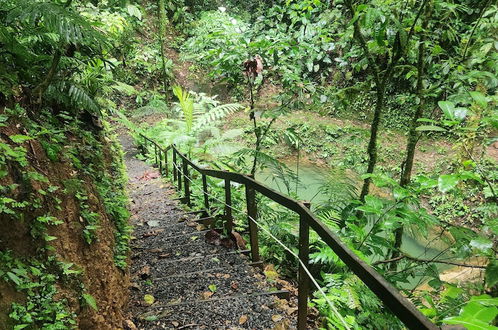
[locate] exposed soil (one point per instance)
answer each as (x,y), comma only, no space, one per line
(101,278)
(194,284)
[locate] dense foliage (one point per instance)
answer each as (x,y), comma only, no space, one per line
(397,100)
(426,69)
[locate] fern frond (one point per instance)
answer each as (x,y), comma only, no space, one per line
(70,26)
(72,95)
(217,113)
(153,107)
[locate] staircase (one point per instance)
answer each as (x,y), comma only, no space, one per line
(182,281)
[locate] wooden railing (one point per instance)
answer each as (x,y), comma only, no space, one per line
(398,304)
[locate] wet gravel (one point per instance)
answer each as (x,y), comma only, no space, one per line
(195,285)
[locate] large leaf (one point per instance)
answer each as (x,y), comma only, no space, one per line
(492,274)
(90,301)
(431,128)
(479,98)
(447,182)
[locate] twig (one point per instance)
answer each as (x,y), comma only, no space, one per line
(404,256)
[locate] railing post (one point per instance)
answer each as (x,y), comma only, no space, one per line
(186,182)
(303,278)
(179,176)
(205,192)
(144,147)
(228,207)
(155,154)
(252,212)
(160,156)
(166,162)
(174,165)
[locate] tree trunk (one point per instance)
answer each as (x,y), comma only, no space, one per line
(162,32)
(372,144)
(413,136)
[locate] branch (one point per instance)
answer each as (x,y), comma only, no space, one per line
(40,89)
(481,14)
(398,52)
(426,261)
(363,44)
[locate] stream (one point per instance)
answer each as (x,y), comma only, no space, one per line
(311,178)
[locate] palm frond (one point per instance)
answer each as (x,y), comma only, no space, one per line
(186,104)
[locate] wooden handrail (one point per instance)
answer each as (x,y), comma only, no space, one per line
(397,303)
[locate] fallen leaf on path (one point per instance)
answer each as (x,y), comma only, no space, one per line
(234,285)
(145,272)
(129,325)
(175,324)
(192,224)
(276,318)
(165,255)
(228,243)
(200,227)
(206,295)
(270,272)
(243,319)
(149,299)
(149,175)
(283,325)
(152,233)
(213,237)
(241,243)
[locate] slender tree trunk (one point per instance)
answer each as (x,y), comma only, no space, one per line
(372,144)
(42,87)
(162,32)
(413,135)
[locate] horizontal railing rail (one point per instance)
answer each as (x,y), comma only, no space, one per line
(397,303)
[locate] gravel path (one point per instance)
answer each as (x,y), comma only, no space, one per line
(194,285)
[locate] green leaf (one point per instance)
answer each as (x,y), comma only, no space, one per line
(90,301)
(447,182)
(20,138)
(14,278)
(479,98)
(21,326)
(431,128)
(212,288)
(149,299)
(134,11)
(447,107)
(491,274)
(481,244)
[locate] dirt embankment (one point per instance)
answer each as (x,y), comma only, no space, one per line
(99,275)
